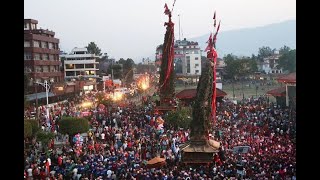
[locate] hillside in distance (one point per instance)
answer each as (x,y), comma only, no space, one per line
(245,42)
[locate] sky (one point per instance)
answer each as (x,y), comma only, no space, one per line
(134,28)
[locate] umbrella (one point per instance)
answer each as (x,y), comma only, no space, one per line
(156,162)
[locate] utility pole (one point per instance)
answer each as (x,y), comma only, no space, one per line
(37,113)
(47,87)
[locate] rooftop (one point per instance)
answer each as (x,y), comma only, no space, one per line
(288,78)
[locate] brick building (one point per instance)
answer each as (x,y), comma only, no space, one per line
(41,56)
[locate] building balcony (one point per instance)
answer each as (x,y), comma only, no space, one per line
(92,61)
(82,69)
(42,50)
(45,74)
(84,76)
(29,36)
(42,62)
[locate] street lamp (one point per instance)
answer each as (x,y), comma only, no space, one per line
(47,87)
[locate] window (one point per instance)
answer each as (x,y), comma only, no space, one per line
(196,58)
(36,44)
(45,68)
(92,73)
(27,56)
(89,65)
(45,57)
(79,66)
(188,64)
(197,71)
(196,52)
(38,69)
(51,57)
(51,46)
(44,45)
(80,52)
(196,65)
(69,66)
(36,56)
(188,58)
(26,43)
(70,73)
(52,69)
(27,69)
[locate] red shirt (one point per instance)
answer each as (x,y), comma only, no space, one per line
(59,160)
(129,144)
(43,175)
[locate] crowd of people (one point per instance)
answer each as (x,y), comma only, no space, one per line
(123,139)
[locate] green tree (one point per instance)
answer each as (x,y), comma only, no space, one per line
(237,68)
(44,138)
(283,50)
(72,126)
(288,61)
(142,68)
(117,70)
(264,51)
(27,129)
(246,67)
(94,49)
(35,126)
(127,68)
(181,118)
(253,65)
(232,68)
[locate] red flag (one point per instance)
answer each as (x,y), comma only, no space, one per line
(166,11)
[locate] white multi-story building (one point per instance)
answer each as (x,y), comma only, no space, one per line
(187,58)
(269,65)
(80,63)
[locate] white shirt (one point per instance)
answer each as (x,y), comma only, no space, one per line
(75,171)
(109,172)
(102,135)
(49,161)
(29,171)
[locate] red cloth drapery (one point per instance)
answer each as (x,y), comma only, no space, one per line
(212,56)
(169,47)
